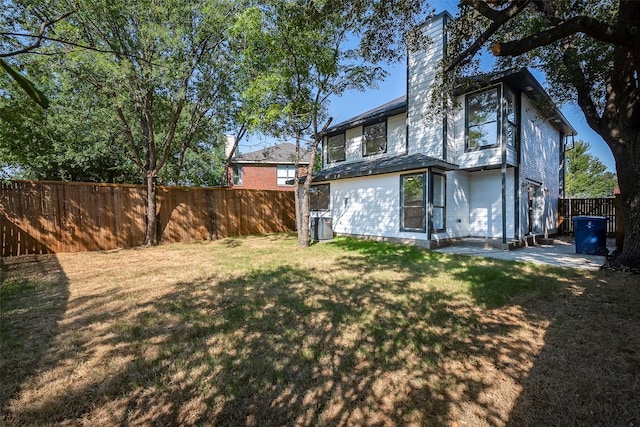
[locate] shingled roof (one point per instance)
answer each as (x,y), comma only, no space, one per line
(380,166)
(283,153)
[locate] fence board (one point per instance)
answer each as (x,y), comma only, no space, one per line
(570,208)
(50,217)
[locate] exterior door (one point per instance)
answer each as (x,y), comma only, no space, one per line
(535,205)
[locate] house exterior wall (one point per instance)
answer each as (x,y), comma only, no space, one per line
(369,207)
(425,130)
(478,203)
(264,177)
(396,142)
(457,209)
(453,147)
(482,158)
(485,204)
(540,159)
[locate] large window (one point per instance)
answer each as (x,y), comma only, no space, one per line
(374,139)
(285,173)
(412,202)
(335,148)
(319,197)
(482,119)
(439,191)
(237,175)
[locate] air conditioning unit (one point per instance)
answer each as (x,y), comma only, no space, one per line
(321,229)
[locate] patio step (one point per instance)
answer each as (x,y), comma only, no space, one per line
(488,243)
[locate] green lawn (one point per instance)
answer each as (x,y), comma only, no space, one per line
(257,331)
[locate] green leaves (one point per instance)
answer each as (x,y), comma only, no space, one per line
(586,176)
(26,85)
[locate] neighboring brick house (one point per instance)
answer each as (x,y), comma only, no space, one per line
(491,167)
(268,169)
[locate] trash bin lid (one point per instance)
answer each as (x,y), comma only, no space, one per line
(589,218)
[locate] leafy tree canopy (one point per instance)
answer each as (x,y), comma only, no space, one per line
(587,176)
(301,53)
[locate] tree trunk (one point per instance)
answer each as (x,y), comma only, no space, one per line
(303,232)
(303,211)
(151,236)
(305,214)
(628,169)
(296,185)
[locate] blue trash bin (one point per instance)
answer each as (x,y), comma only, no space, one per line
(590,234)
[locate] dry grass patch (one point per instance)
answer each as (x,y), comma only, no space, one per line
(255,331)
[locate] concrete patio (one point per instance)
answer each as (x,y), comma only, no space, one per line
(561,253)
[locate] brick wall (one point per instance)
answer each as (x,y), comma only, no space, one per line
(263,177)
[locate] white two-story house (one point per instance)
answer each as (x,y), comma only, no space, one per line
(490,167)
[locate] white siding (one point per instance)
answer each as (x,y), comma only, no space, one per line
(353,149)
(487,157)
(396,142)
(485,213)
(425,130)
(369,207)
(397,135)
(540,158)
(457,210)
(453,146)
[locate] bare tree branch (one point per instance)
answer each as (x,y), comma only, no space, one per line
(170,137)
(65,42)
(484,9)
(579,24)
(507,14)
(38,38)
(137,158)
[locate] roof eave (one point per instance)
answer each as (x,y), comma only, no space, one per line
(363,169)
(523,80)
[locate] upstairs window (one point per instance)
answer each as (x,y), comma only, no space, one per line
(374,139)
(237,175)
(285,173)
(482,119)
(336,148)
(319,197)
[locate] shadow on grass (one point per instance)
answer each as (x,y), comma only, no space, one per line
(492,283)
(33,298)
(273,347)
(588,372)
(288,344)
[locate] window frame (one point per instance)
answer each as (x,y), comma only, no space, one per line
(498,119)
(313,198)
(366,141)
(289,168)
(510,102)
(237,173)
(422,229)
(444,201)
(329,148)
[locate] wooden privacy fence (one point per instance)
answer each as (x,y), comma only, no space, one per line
(606,207)
(52,217)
